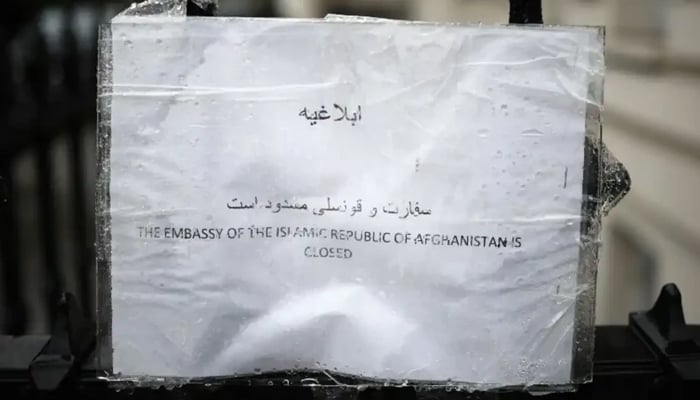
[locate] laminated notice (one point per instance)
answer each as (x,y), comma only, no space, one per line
(389,201)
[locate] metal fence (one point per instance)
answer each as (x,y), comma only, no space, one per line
(47,158)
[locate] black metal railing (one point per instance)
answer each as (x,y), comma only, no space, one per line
(47,119)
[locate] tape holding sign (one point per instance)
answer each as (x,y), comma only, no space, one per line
(385,200)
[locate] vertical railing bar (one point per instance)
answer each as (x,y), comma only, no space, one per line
(15,308)
(38,71)
(72,81)
(525,12)
(47,224)
(16,317)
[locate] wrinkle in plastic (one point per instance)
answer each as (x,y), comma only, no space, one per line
(500,127)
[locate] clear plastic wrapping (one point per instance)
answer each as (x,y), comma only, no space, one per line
(164,8)
(350,201)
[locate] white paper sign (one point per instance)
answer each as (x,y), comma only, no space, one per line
(393,201)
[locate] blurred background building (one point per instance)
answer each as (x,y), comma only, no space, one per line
(47,141)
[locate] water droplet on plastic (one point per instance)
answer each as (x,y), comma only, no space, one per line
(129,43)
(285,382)
(504,106)
(159,41)
(270,383)
(532,132)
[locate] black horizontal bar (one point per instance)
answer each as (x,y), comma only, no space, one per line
(623,368)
